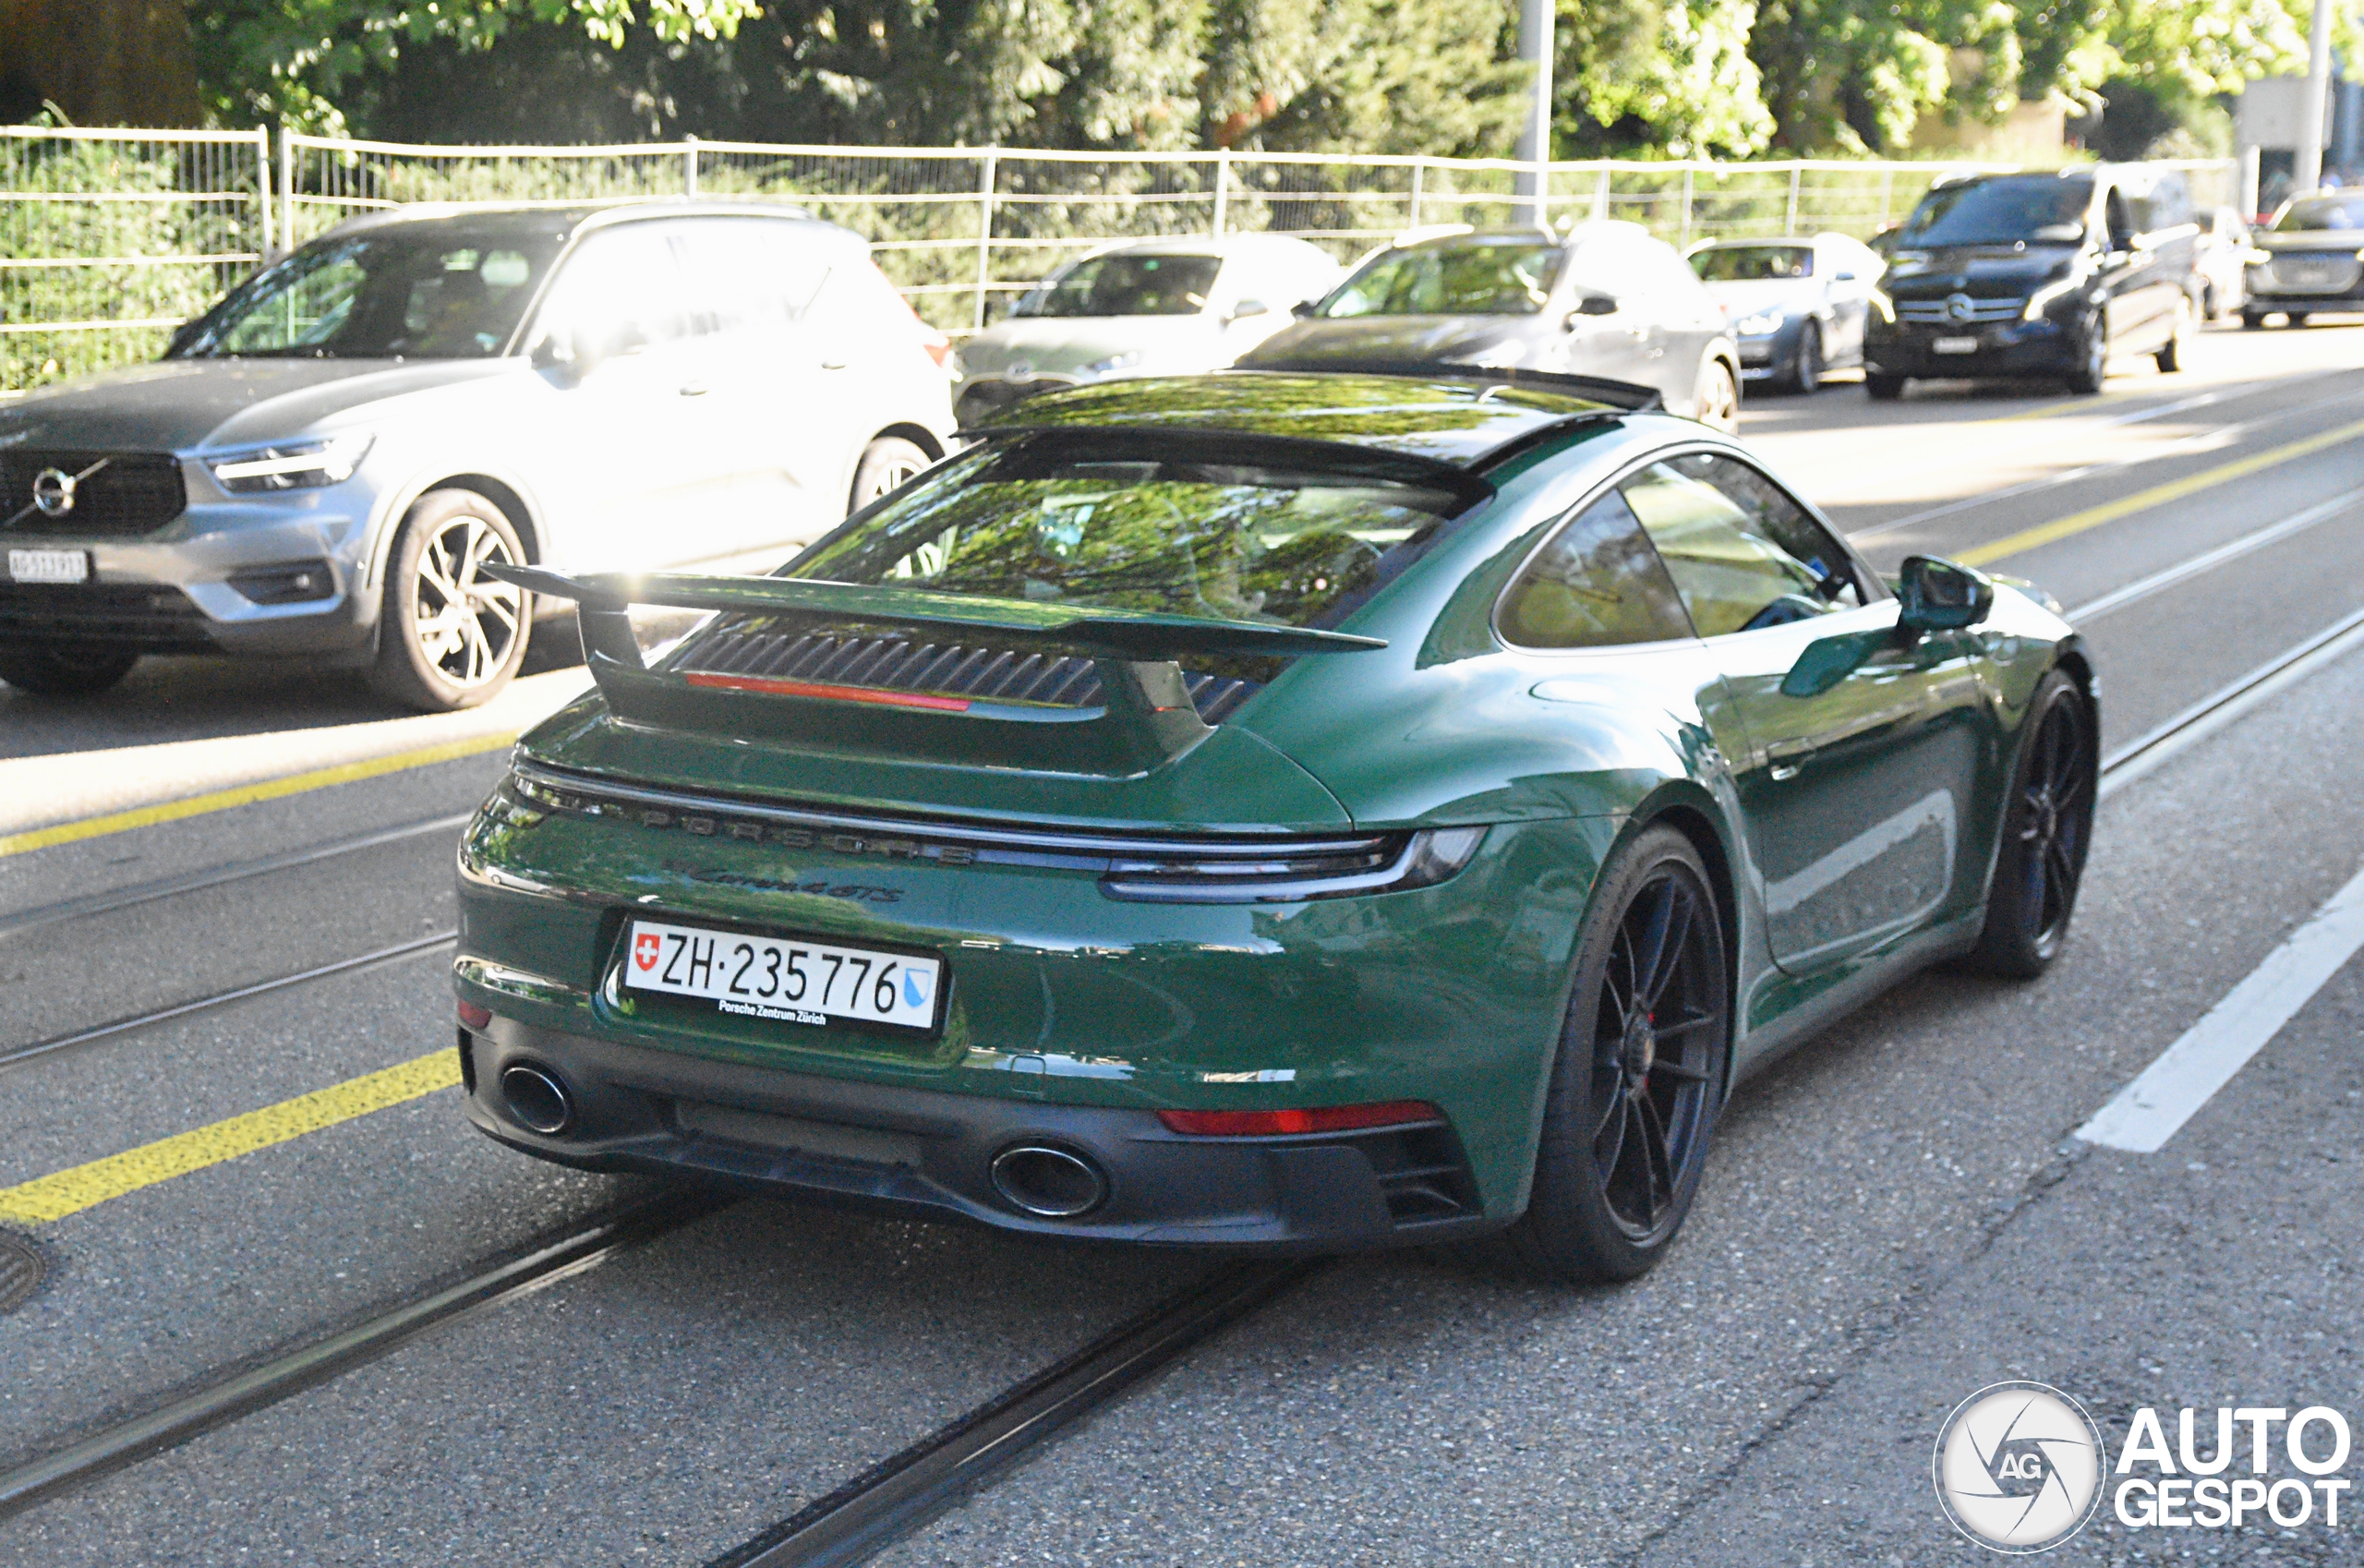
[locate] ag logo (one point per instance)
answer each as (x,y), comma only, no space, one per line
(2019,1467)
(644,948)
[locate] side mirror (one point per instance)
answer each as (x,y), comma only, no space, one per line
(1248,307)
(1596,304)
(556,351)
(1941,596)
(1303,308)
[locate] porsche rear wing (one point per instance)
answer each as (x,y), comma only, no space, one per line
(1144,716)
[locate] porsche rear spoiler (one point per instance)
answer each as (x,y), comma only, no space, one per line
(1145,715)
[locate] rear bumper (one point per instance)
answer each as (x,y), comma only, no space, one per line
(930,1153)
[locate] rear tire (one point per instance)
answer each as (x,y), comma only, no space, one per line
(450,637)
(2252,320)
(2047,825)
(1632,1101)
(2170,356)
(1883,389)
(887,463)
(2295,319)
(75,670)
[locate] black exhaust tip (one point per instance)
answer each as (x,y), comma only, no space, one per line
(1054,1184)
(536,1098)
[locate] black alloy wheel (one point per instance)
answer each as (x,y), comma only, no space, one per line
(64,669)
(1639,1075)
(2092,357)
(1883,389)
(2046,830)
(1807,378)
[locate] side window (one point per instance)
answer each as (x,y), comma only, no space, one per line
(1595,584)
(749,274)
(1743,554)
(620,291)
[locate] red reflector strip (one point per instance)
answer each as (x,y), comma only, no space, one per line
(475,1017)
(1320,1118)
(836,693)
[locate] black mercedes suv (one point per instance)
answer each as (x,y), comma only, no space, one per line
(2037,274)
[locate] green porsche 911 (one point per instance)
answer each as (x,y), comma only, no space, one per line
(1269,810)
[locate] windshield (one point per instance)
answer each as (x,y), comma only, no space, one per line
(2321,212)
(1467,279)
(1753,263)
(2011,210)
(1123,526)
(1127,285)
(443,294)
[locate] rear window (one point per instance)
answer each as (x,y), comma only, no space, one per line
(1109,525)
(1512,279)
(1753,263)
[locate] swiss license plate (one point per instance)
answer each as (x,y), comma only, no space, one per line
(1955,345)
(788,978)
(50,565)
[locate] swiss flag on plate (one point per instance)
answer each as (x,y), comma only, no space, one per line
(644,948)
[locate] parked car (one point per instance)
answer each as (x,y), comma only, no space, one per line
(2306,261)
(2037,274)
(325,462)
(1147,307)
(1265,811)
(1797,307)
(2223,256)
(1605,300)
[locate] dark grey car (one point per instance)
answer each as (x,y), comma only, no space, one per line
(1606,300)
(2308,260)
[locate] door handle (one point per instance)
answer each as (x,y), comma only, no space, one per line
(693,389)
(1783,772)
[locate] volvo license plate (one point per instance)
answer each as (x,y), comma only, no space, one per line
(1955,345)
(50,565)
(792,979)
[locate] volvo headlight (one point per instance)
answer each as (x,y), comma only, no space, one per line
(1762,324)
(1124,361)
(2042,299)
(293,466)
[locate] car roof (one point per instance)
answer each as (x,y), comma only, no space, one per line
(525,219)
(1444,418)
(1229,246)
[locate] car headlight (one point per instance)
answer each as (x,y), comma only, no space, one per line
(1124,361)
(293,466)
(1759,325)
(1882,304)
(2042,299)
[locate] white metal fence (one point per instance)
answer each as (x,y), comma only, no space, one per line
(959,229)
(111,238)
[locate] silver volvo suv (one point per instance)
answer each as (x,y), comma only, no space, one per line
(325,462)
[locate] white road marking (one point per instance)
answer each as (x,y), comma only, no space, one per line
(2272,533)
(2171,1091)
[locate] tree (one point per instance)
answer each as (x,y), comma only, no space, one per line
(100,62)
(1670,77)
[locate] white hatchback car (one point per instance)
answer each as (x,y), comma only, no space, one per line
(324,463)
(1145,308)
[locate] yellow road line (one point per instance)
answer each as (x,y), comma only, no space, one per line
(2158,495)
(52,1197)
(247,794)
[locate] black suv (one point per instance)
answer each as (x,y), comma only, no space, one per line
(2037,274)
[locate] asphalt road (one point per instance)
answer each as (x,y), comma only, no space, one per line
(1894,1216)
